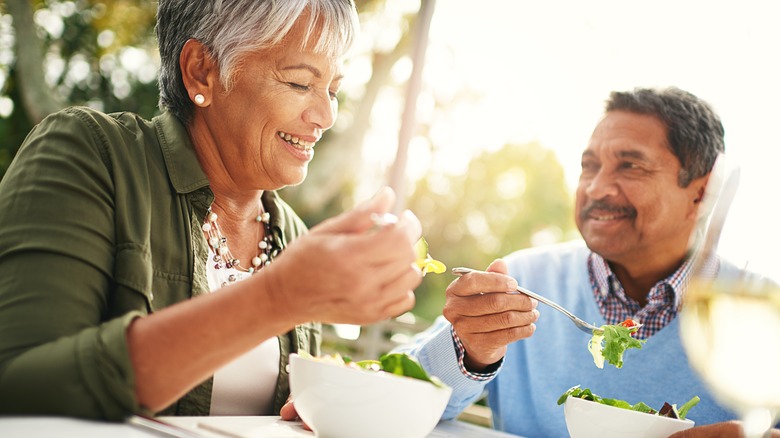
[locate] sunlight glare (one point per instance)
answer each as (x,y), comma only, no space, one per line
(525,72)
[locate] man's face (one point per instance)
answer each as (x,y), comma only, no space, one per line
(630,208)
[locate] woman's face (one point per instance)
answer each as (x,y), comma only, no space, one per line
(265,127)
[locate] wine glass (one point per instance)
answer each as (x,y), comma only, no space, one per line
(730,322)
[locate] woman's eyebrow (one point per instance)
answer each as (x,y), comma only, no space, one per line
(314,70)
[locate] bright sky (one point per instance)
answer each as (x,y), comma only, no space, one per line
(542,70)
(545,68)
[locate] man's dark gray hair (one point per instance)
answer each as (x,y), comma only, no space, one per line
(232,28)
(694,131)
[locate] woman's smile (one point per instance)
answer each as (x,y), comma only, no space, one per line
(296,142)
(299,148)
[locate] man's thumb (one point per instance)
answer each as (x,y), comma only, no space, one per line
(499,266)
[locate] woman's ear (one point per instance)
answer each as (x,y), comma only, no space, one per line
(199,72)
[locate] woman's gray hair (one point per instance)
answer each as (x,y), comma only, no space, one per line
(230,29)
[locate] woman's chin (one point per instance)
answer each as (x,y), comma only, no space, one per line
(294,178)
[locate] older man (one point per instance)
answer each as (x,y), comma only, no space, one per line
(643,177)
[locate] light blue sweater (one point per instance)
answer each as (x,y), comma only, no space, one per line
(536,371)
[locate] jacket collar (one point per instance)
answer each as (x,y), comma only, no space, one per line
(184,170)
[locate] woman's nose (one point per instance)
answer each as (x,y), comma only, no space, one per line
(322,111)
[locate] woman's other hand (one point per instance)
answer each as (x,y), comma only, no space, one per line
(288,413)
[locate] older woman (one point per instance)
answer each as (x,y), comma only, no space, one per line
(149,266)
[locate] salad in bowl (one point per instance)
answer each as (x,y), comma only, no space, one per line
(386,398)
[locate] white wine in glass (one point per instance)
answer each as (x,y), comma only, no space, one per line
(731,336)
(730,322)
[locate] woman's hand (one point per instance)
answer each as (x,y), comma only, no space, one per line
(288,413)
(346,270)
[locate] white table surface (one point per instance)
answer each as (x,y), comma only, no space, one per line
(205,427)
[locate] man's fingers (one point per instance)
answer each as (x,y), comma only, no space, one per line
(498,266)
(478,282)
(496,322)
(488,304)
(498,338)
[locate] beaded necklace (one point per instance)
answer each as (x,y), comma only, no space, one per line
(223,258)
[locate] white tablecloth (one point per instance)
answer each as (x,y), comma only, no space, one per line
(206,427)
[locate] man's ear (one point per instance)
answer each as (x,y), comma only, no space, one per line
(699,195)
(700,186)
(199,71)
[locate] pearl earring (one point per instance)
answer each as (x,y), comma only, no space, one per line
(199,99)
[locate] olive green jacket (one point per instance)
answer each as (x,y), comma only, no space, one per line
(100,223)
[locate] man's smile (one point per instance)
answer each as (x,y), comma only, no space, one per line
(602,211)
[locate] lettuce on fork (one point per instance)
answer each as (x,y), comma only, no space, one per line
(424,260)
(613,342)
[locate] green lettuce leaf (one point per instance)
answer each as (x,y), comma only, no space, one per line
(615,340)
(683,411)
(587,394)
(402,364)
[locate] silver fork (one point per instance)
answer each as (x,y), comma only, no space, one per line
(581,324)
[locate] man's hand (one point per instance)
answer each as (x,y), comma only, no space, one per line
(728,429)
(485,318)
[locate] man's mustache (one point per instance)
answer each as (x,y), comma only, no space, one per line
(622,210)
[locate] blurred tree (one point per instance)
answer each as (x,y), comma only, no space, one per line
(35,94)
(103,53)
(510,199)
(55,53)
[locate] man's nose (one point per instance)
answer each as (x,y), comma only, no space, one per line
(601,185)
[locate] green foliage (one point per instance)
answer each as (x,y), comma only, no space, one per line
(507,200)
(98,53)
(13,129)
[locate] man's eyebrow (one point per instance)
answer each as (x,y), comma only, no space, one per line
(314,70)
(637,155)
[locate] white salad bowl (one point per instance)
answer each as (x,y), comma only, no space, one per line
(340,401)
(588,419)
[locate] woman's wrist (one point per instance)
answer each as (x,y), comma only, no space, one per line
(270,292)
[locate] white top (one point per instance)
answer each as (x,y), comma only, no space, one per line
(247,385)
